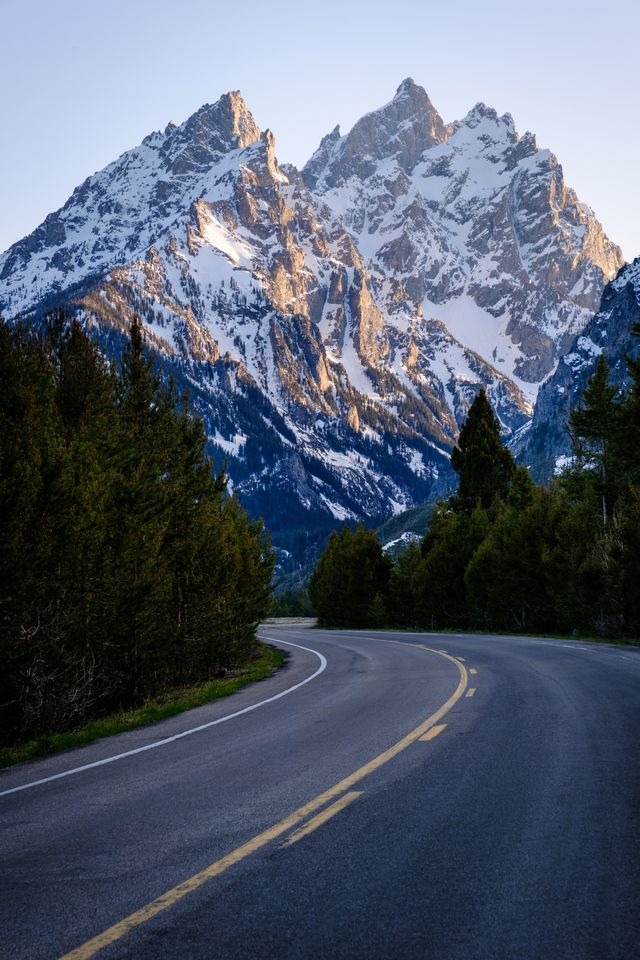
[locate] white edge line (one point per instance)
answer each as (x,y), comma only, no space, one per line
(185,733)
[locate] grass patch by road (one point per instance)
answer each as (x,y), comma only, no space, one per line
(174,701)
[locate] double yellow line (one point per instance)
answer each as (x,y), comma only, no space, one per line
(291,822)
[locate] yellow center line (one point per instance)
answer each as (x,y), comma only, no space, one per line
(322,817)
(433,733)
(175,894)
(470,692)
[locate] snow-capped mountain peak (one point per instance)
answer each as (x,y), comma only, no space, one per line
(117,213)
(398,133)
(475,223)
(333,325)
(482,112)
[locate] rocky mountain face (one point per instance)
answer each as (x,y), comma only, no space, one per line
(332,325)
(470,225)
(545,444)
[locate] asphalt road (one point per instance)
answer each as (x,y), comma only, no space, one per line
(320,824)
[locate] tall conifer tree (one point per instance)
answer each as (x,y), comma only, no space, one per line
(595,426)
(484,465)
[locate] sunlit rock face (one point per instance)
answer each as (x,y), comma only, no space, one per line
(332,325)
(474,223)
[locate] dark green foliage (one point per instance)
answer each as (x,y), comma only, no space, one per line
(484,465)
(292,603)
(520,576)
(450,542)
(404,587)
(503,554)
(630,416)
(349,586)
(596,428)
(627,545)
(124,567)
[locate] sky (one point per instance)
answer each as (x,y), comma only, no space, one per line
(84,81)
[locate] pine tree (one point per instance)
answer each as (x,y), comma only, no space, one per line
(515,578)
(30,452)
(484,465)
(629,531)
(452,538)
(350,583)
(85,399)
(630,421)
(595,427)
(403,586)
(124,565)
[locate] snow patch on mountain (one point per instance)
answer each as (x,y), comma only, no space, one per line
(477,226)
(332,325)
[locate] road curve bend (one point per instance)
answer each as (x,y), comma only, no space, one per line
(385,795)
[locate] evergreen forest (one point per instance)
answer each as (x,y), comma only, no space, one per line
(503,554)
(125,566)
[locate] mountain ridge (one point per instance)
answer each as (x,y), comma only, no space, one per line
(546,446)
(425,226)
(332,357)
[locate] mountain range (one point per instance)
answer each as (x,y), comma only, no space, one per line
(333,324)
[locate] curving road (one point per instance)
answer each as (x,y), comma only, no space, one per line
(384,796)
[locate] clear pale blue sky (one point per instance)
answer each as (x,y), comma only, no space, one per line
(84,80)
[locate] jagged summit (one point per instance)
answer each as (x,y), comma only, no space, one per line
(407,86)
(410,101)
(415,95)
(474,223)
(482,112)
(117,213)
(211,131)
(400,131)
(332,326)
(228,122)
